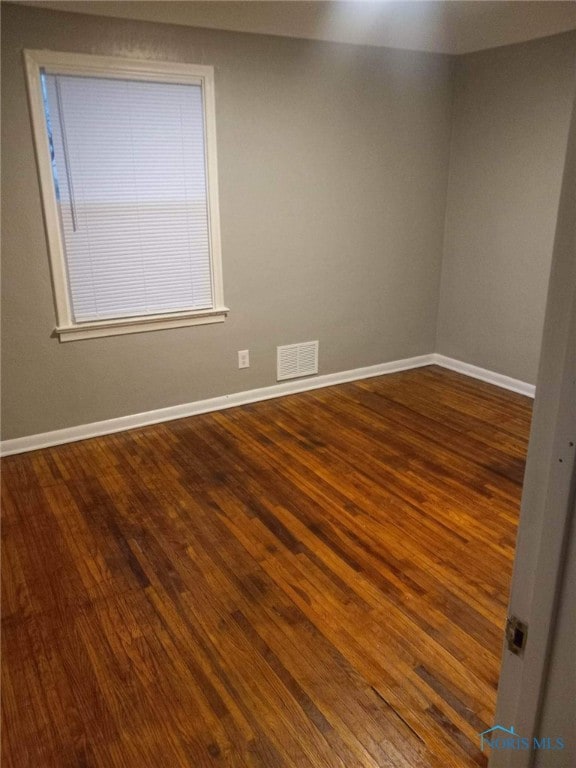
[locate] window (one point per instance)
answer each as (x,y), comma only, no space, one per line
(127,164)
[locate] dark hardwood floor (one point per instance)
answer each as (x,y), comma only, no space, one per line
(316,581)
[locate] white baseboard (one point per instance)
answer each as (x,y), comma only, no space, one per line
(121,424)
(498,379)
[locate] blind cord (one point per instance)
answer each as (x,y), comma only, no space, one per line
(66,157)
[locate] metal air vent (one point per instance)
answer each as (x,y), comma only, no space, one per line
(295,360)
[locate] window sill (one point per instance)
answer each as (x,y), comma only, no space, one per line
(92,330)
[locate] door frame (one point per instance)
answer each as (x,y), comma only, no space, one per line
(549,490)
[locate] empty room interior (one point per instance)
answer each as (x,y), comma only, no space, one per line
(288,384)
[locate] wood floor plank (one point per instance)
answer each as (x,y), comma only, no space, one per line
(319,580)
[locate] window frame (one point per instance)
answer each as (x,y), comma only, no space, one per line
(58,63)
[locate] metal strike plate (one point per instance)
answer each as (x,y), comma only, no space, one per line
(516,634)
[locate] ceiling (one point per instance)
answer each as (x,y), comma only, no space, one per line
(452,26)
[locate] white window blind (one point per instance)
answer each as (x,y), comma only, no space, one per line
(130,176)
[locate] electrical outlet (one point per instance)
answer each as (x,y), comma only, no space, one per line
(244,359)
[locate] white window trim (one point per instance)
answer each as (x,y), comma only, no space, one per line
(54,62)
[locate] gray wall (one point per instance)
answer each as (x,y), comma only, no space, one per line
(333,171)
(335,162)
(510,126)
